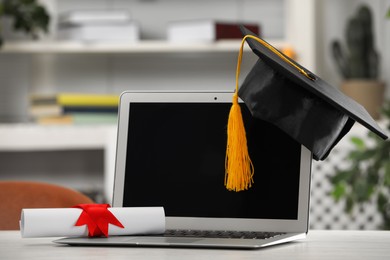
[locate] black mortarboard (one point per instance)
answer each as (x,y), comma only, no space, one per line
(310,110)
(285,94)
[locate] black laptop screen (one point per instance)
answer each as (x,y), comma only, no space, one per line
(176,159)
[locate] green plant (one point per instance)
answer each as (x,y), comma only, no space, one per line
(361,60)
(28,16)
(368,176)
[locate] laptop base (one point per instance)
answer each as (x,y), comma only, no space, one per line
(186,242)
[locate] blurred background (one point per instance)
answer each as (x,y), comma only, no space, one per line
(64,62)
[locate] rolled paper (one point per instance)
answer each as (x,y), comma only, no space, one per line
(61,222)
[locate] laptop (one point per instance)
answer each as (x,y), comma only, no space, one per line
(171,153)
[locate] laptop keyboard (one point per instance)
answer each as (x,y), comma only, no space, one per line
(220,234)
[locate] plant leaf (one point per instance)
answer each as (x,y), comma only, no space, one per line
(386,177)
(358,142)
(363,190)
(381,202)
(338,191)
(341,176)
(349,204)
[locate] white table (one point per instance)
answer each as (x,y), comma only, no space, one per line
(327,245)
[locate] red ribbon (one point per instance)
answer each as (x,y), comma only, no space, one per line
(96,217)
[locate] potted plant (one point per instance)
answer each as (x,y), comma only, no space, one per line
(367,177)
(359,65)
(27,16)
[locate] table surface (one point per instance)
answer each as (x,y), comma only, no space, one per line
(318,245)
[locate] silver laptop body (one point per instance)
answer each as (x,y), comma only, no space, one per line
(170,153)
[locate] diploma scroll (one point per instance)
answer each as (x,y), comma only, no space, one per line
(60,222)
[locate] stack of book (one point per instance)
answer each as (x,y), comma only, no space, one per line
(74,108)
(98,25)
(207,30)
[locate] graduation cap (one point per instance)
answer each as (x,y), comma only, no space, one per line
(282,92)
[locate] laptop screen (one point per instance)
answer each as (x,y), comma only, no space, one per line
(175,158)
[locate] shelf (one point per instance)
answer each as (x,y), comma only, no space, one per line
(33,137)
(140,47)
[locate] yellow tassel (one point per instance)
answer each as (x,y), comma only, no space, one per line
(238,165)
(239,169)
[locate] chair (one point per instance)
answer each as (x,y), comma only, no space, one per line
(16,195)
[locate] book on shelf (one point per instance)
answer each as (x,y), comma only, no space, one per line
(75,99)
(128,32)
(38,110)
(54,120)
(98,25)
(206,30)
(79,119)
(83,17)
(74,108)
